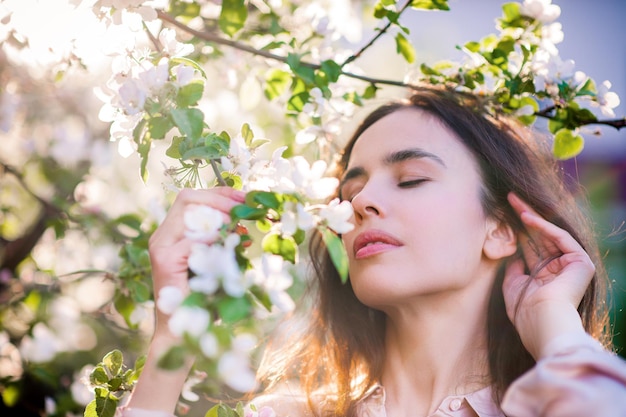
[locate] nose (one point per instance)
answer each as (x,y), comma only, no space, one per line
(367,203)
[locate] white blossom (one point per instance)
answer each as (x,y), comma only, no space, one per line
(42,346)
(189,319)
(171,46)
(234,369)
(234,365)
(81,390)
(310,180)
(203,223)
(187,392)
(153,78)
(239,158)
(169,299)
(270,273)
(294,217)
(541,10)
(10,359)
(337,216)
(132,96)
(209,345)
(214,264)
(607,100)
(184,75)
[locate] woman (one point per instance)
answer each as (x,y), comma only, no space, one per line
(474,282)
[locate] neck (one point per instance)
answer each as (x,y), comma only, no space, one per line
(435,347)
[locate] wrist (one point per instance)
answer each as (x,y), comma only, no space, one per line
(543,323)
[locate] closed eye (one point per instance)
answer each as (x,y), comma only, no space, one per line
(411,183)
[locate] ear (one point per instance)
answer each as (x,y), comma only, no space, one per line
(500,240)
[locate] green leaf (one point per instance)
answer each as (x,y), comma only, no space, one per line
(189,121)
(233,309)
(130,220)
(202,152)
(567,144)
(113,362)
(115,383)
(98,376)
(276,83)
(265,198)
(511,11)
(305,73)
(337,252)
(125,306)
(353,97)
(263,225)
(588,89)
(184,9)
(370,92)
(140,291)
(232,180)
(404,47)
(173,359)
(284,246)
(190,94)
(245,212)
(10,395)
(332,70)
(528,101)
(195,299)
(90,410)
(159,126)
(427,70)
(174,150)
(297,101)
(430,4)
(247,133)
(472,46)
(106,403)
(212,411)
(233,16)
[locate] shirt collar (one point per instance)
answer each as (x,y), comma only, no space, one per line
(480,402)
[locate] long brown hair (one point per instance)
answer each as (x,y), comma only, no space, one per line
(339,350)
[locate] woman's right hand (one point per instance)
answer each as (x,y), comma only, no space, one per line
(169,248)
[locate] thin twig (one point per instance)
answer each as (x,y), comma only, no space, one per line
(218,174)
(616,123)
(18,176)
(210,37)
(380,33)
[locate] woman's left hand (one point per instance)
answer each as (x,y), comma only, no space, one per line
(543,305)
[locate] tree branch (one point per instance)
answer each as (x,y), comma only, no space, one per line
(380,33)
(616,123)
(210,37)
(13,252)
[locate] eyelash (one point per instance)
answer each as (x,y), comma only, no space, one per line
(412,183)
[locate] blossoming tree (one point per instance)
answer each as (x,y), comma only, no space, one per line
(198,93)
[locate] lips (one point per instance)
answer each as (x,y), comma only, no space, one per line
(372,242)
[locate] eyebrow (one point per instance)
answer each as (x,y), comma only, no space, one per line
(392,159)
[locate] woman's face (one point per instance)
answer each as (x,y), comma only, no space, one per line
(420,226)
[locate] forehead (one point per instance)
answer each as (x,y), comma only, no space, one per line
(407,129)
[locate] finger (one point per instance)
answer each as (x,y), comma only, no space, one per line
(531,249)
(220,198)
(544,235)
(553,238)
